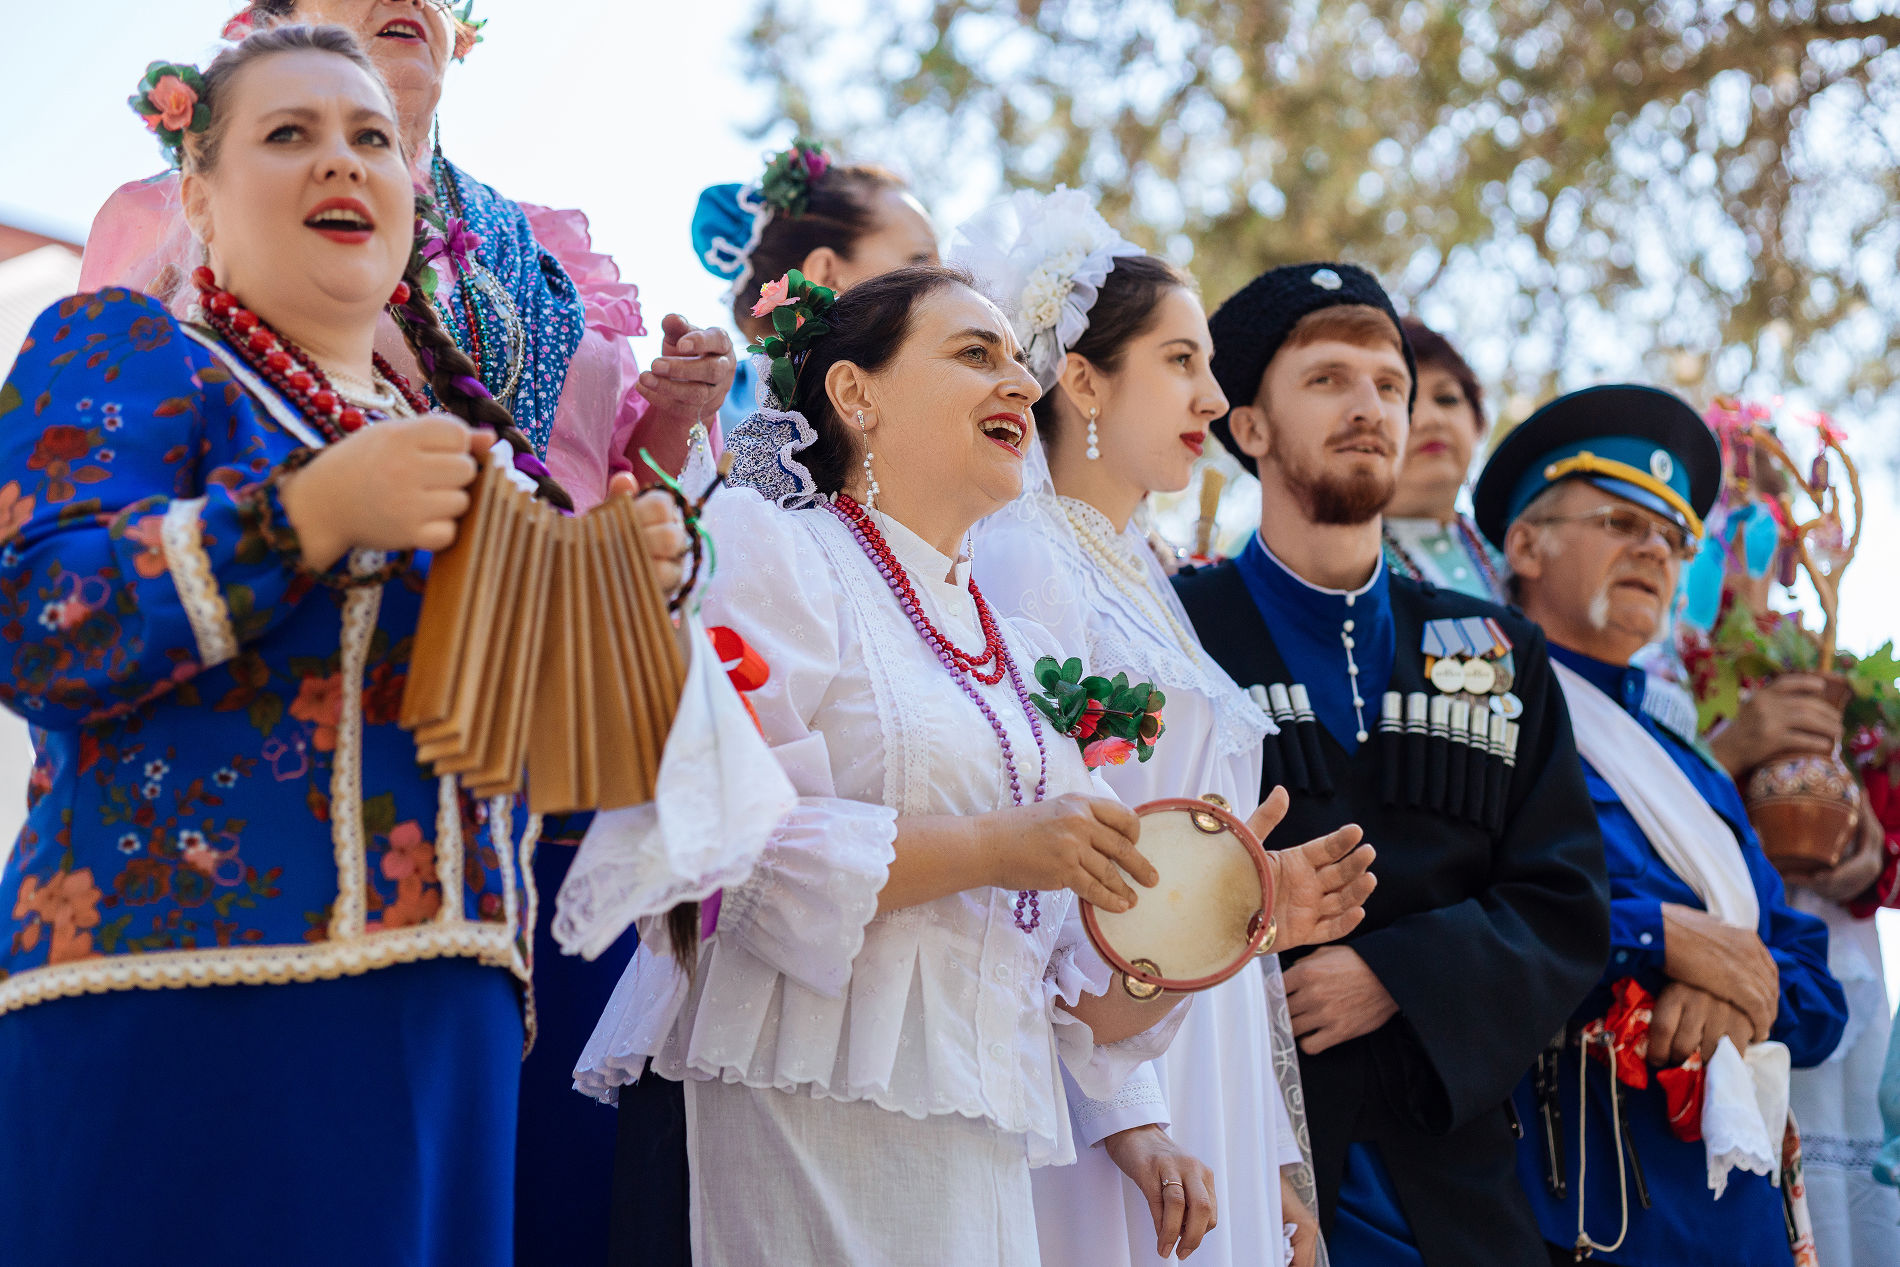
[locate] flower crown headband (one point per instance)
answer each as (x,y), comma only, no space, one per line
(468,28)
(170,98)
(1046,257)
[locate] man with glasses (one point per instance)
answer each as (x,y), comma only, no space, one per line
(1658,1115)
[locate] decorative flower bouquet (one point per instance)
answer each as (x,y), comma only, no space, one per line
(1803,807)
(1109,720)
(797,307)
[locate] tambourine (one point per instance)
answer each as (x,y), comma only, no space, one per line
(1210,914)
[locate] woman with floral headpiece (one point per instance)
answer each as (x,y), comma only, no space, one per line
(547,321)
(1119,345)
(837,223)
(254,953)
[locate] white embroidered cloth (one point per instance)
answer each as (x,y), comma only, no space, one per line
(1745,1099)
(720,794)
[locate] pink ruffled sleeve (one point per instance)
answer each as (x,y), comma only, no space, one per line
(601,407)
(140,240)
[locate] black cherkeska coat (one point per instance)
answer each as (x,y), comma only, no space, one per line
(1489,925)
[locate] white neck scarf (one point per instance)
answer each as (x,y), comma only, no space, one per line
(1745,1097)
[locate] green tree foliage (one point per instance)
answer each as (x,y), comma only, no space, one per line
(1704,192)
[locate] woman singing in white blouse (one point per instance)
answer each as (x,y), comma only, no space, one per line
(869,1037)
(1122,353)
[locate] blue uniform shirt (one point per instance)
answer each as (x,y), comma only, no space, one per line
(1336,643)
(1686,1226)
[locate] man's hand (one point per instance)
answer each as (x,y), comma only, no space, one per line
(1333,996)
(1728,962)
(1179,1188)
(1319,888)
(1787,715)
(1687,1021)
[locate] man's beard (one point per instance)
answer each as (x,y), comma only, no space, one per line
(1332,497)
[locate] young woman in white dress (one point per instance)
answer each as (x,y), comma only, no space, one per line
(869,1038)
(1120,344)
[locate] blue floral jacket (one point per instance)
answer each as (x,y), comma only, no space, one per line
(222,793)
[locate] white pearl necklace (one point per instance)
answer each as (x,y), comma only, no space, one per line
(1129,578)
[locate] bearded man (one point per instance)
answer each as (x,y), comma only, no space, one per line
(1430,719)
(1669,1151)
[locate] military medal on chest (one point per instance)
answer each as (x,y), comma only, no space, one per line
(1469,658)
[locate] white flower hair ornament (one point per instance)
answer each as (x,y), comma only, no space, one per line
(1044,258)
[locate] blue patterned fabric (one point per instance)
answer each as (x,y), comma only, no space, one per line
(222,792)
(513,277)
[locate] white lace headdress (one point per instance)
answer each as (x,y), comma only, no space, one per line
(1043,257)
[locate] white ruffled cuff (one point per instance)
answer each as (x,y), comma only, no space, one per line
(806,905)
(1074,970)
(719,792)
(636,1021)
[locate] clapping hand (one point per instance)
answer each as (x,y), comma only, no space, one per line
(1320,887)
(690,377)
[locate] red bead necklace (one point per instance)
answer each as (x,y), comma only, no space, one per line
(288,368)
(995,655)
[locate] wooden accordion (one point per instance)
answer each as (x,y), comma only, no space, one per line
(544,647)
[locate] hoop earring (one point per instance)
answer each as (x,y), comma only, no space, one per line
(1095,447)
(870,476)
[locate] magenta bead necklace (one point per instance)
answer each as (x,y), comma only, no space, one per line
(959,665)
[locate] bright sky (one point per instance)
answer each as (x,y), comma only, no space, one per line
(625,110)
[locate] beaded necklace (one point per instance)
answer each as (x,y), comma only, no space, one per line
(1129,578)
(960,665)
(484,333)
(288,368)
(1474,547)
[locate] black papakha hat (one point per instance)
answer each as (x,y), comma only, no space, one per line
(1643,444)
(1250,327)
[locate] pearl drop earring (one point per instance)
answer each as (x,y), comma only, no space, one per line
(1095,448)
(870,476)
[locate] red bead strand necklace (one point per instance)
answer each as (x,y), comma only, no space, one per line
(288,368)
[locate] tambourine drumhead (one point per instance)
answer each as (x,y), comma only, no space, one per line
(1207,917)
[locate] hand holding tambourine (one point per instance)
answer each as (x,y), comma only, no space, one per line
(1221,899)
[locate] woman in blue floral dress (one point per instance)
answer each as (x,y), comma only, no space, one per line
(262,977)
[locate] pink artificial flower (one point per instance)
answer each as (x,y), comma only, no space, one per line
(773,295)
(237,28)
(1831,431)
(1090,719)
(1107,752)
(174,101)
(817,163)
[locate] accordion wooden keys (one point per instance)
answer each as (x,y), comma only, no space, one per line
(544,648)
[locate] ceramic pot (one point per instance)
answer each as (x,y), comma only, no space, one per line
(1803,807)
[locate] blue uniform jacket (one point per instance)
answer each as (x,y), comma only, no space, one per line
(1685,1226)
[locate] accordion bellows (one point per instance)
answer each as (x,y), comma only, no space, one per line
(544,647)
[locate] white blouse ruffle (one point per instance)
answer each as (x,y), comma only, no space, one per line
(945,1007)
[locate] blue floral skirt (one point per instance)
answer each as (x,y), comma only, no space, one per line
(364,1120)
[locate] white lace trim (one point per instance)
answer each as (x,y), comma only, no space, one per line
(349,914)
(1123,637)
(489,944)
(450,853)
(1134,1094)
(182,535)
